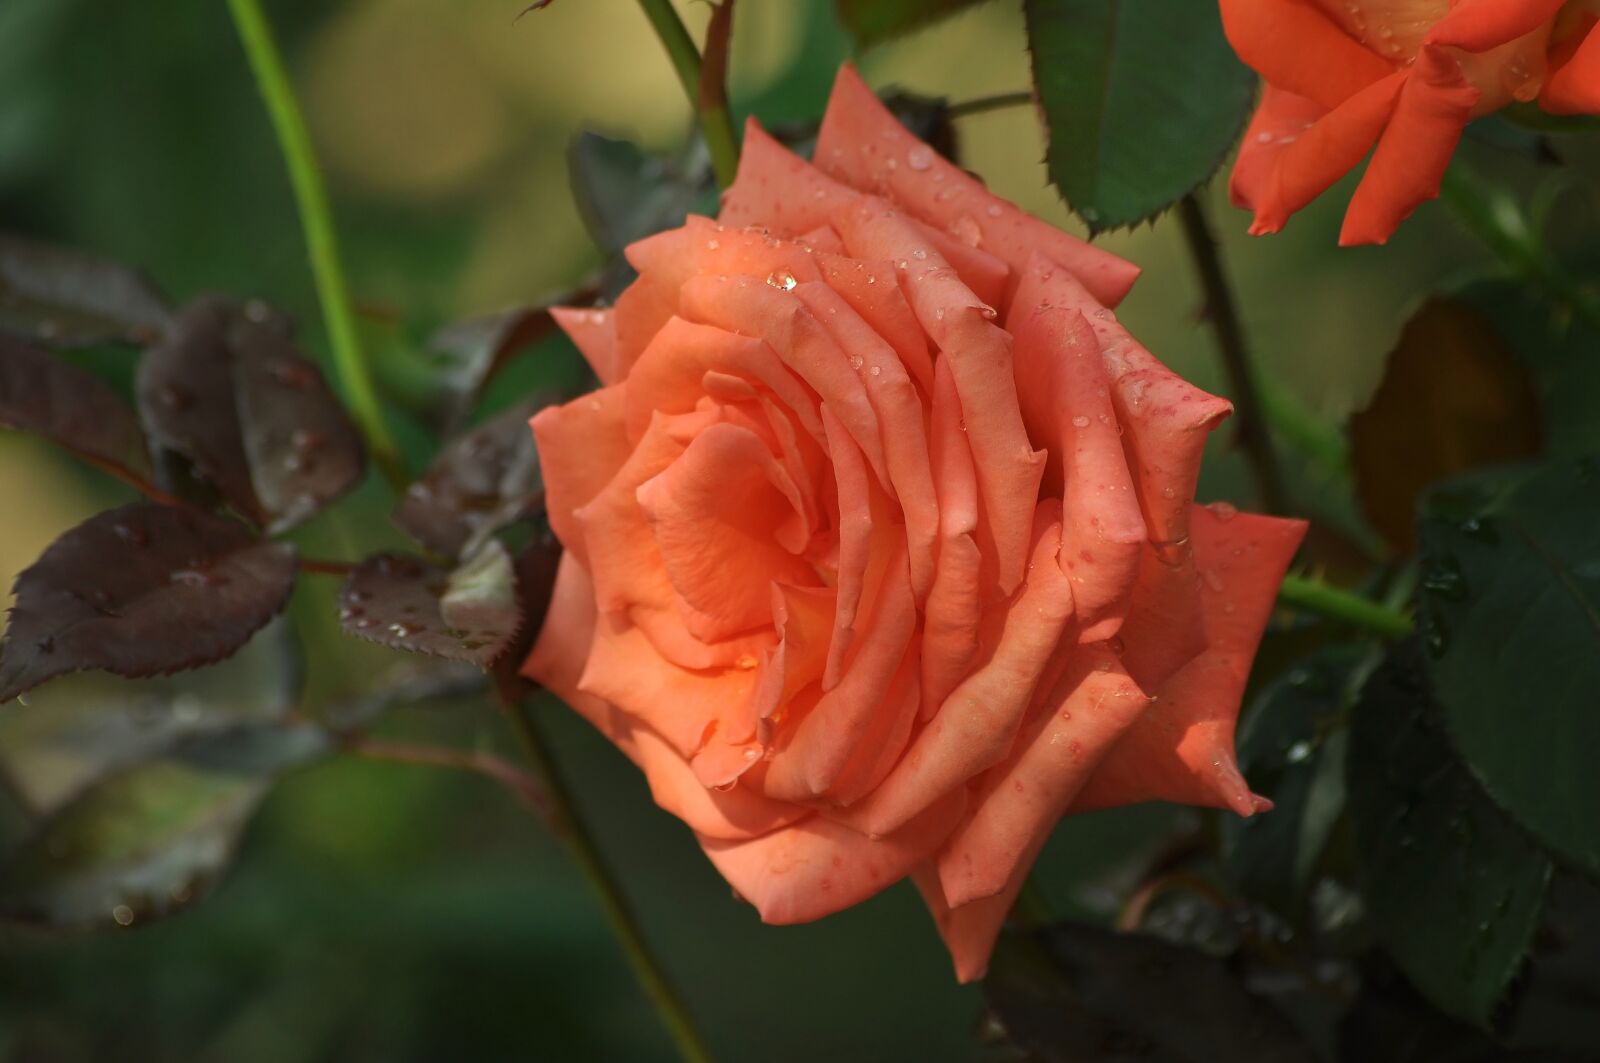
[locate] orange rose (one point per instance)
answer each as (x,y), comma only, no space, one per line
(1404,75)
(868,584)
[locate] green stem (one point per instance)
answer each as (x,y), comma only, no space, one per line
(1254,437)
(716,123)
(985,104)
(1314,596)
(316,219)
(564,820)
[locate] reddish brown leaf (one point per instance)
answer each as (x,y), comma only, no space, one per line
(139,591)
(470,614)
(228,392)
(71,407)
(471,351)
(479,483)
(1452,398)
(66,298)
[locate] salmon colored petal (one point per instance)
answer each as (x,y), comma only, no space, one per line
(702,246)
(1573,84)
(873,290)
(556,661)
(777,190)
(698,713)
(730,814)
(1479,25)
(1181,749)
(810,754)
(1298,48)
(954,605)
(864,535)
(582,445)
(866,147)
(1165,628)
(1165,419)
(670,372)
(1327,151)
(1280,120)
(822,239)
(970,931)
(894,398)
(1019,801)
(974,728)
(640,311)
(880,745)
(773,313)
(1067,406)
(803,619)
(1412,155)
(817,867)
(980,361)
(594,332)
(729,522)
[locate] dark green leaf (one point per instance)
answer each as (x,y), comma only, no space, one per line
(1079,994)
(1510,609)
(71,407)
(66,298)
(76,730)
(481,482)
(1557,350)
(1454,889)
(228,392)
(139,591)
(138,844)
(1292,749)
(871,21)
(1142,100)
(471,614)
(1414,431)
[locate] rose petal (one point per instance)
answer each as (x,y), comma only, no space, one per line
(1479,25)
(899,409)
(954,605)
(970,931)
(980,361)
(1067,406)
(556,661)
(582,445)
(1573,84)
(817,867)
(1181,748)
(594,332)
(1279,121)
(729,522)
(1414,151)
(1018,801)
(873,290)
(1300,49)
(974,728)
(731,814)
(862,144)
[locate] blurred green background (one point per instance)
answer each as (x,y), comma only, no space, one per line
(381,912)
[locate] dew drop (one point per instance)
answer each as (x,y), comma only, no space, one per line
(1080,421)
(993,210)
(919,157)
(122,915)
(1223,511)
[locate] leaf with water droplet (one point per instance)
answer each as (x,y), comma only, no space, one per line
(470,614)
(1514,641)
(71,407)
(155,836)
(228,392)
(1454,889)
(139,591)
(481,482)
(61,297)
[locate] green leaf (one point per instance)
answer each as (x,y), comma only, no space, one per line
(872,21)
(1292,749)
(1454,889)
(1510,610)
(1142,100)
(143,842)
(1557,349)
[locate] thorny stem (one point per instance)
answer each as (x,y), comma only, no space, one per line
(316,220)
(1314,596)
(716,123)
(564,821)
(526,788)
(1224,317)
